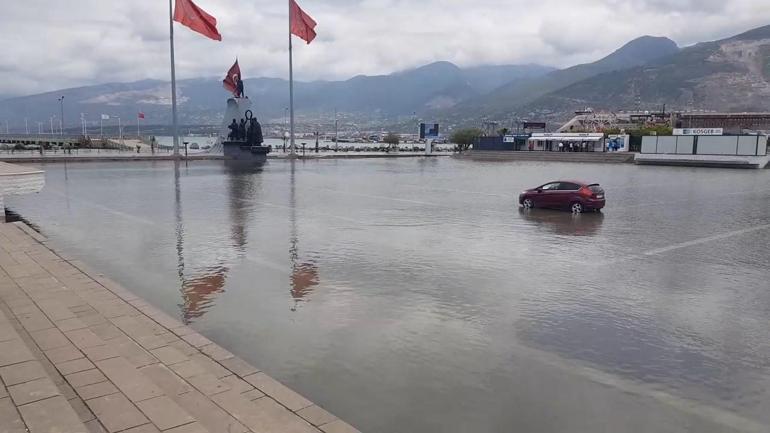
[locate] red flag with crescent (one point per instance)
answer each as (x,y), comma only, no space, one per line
(302,24)
(231,80)
(189,14)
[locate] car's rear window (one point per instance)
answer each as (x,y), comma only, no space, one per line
(596,188)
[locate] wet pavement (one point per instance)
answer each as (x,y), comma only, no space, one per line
(414,295)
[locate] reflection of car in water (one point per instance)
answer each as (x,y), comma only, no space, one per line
(564,224)
(564,194)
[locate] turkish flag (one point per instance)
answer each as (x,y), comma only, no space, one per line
(231,80)
(301,23)
(189,14)
(140,115)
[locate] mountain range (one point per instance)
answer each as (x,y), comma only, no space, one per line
(729,75)
(519,93)
(732,74)
(202,101)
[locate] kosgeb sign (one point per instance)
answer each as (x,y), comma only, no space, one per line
(699,131)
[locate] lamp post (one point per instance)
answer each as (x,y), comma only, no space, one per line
(120,133)
(61,108)
(26,125)
(336,134)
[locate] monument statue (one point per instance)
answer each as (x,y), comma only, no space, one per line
(233,127)
(244,140)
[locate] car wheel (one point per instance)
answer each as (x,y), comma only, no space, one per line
(576,207)
(528,203)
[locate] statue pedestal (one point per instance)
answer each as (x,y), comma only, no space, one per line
(240,151)
(236,109)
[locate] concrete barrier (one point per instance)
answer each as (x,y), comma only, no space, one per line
(727,151)
(17,180)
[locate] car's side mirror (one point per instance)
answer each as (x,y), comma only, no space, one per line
(539,190)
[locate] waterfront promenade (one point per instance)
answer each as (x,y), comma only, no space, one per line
(102,156)
(80,354)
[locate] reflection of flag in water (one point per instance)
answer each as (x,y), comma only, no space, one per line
(304,277)
(198,293)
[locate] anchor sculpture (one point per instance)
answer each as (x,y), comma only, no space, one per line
(244,142)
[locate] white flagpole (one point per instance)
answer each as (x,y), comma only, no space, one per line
(291,91)
(174,126)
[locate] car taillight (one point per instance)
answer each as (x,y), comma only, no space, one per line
(586,192)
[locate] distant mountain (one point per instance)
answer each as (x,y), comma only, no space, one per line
(201,101)
(515,94)
(484,79)
(728,75)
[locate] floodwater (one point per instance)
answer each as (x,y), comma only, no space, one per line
(412,295)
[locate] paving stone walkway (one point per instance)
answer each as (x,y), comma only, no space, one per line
(80,354)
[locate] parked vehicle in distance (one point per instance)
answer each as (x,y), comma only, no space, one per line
(576,196)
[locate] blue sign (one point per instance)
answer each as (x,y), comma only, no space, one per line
(428,131)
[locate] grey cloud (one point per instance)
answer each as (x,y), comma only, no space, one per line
(53,44)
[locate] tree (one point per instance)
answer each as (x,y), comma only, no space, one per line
(464,138)
(84,142)
(392,140)
(503,132)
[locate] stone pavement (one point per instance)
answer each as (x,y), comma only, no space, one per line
(80,354)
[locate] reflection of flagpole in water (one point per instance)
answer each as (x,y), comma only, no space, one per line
(304,275)
(179,232)
(66,186)
(293,253)
(293,215)
(200,286)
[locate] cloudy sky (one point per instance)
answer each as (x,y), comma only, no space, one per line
(52,44)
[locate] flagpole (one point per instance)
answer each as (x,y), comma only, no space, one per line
(291,91)
(174,126)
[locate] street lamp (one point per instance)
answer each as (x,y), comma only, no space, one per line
(120,134)
(61,107)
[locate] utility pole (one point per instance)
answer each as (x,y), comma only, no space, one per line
(336,135)
(120,132)
(51,125)
(61,124)
(26,125)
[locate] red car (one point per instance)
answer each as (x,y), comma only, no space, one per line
(576,196)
